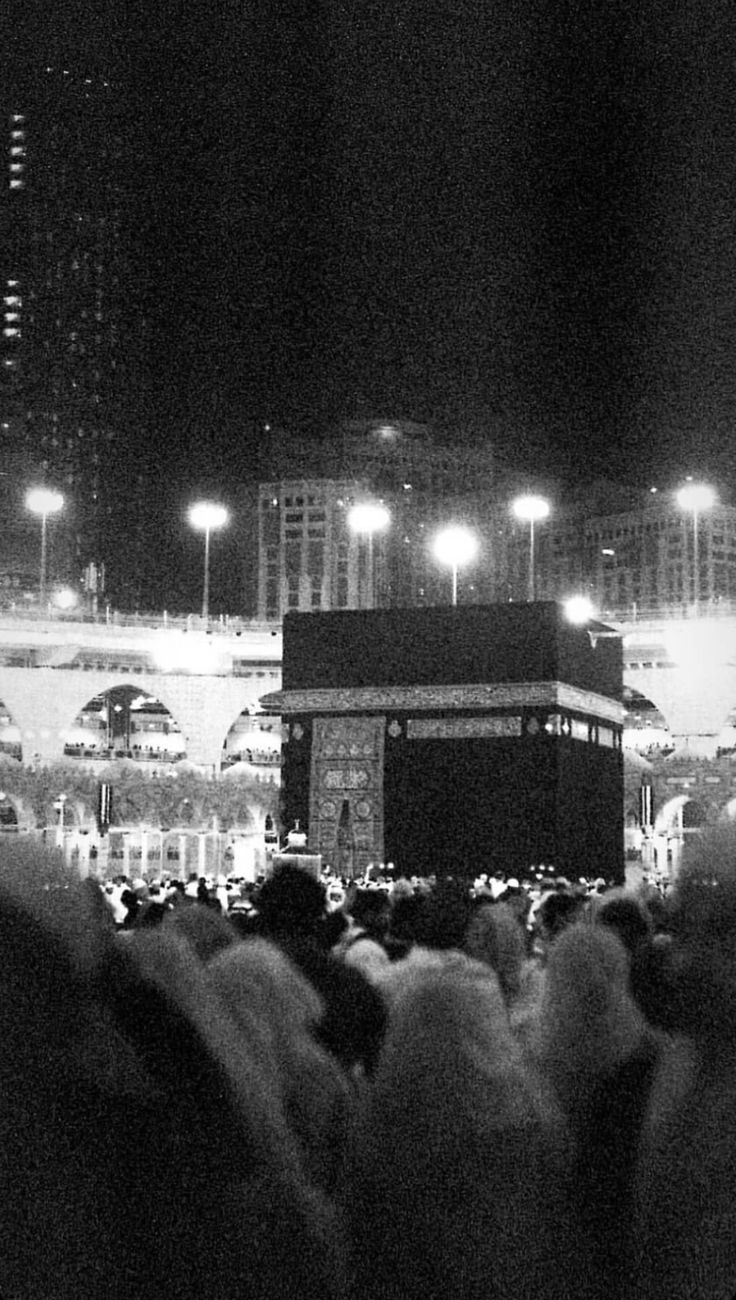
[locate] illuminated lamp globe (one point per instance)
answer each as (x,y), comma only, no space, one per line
(579,609)
(368,517)
(206,515)
(44,501)
(530,508)
(455,546)
(696,497)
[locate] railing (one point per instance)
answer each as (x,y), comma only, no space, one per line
(636,613)
(226,624)
(230,625)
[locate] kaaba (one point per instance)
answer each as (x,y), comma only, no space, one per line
(454,740)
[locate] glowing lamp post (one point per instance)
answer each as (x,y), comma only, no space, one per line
(455,546)
(365,519)
(696,497)
(205,516)
(531,510)
(43,502)
(579,609)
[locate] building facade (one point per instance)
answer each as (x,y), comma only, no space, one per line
(310,558)
(67,383)
(650,557)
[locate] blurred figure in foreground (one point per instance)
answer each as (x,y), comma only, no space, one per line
(686,1180)
(257,981)
(599,1054)
(142,1155)
(459,1183)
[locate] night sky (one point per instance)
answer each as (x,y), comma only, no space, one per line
(514,221)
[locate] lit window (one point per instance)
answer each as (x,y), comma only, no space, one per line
(17,135)
(17,151)
(16,185)
(17,117)
(11,332)
(12,315)
(12,300)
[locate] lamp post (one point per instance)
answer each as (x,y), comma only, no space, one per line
(43,502)
(455,546)
(59,805)
(696,497)
(205,516)
(531,510)
(365,519)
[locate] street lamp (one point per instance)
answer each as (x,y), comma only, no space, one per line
(455,546)
(43,502)
(531,510)
(696,497)
(205,516)
(365,519)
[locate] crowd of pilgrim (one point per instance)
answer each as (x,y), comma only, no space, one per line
(442,1089)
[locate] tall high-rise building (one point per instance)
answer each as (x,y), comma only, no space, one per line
(67,341)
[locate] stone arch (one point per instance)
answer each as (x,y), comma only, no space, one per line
(25,816)
(124,721)
(726,740)
(9,818)
(694,815)
(689,698)
(11,745)
(44,704)
(254,741)
(646,730)
(681,813)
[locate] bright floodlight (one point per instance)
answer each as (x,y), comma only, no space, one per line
(455,546)
(696,497)
(44,501)
(206,515)
(530,508)
(579,609)
(368,517)
(365,519)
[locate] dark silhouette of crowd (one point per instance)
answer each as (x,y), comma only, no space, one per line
(395,1090)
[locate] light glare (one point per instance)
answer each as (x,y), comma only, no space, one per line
(44,501)
(368,517)
(455,546)
(207,515)
(530,508)
(579,609)
(696,497)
